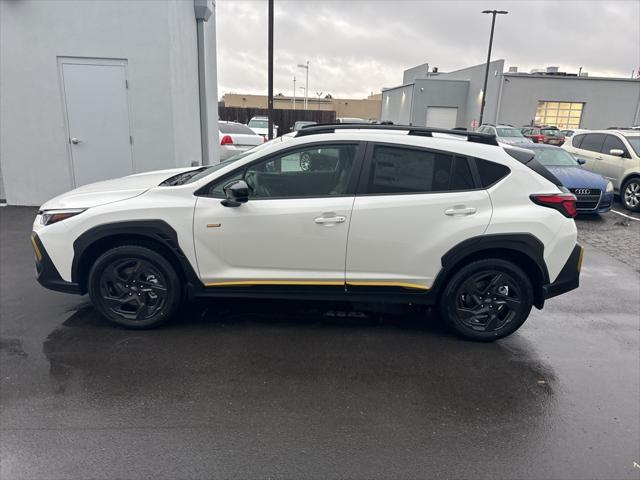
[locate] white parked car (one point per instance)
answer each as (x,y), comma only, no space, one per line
(260,125)
(614,154)
(382,213)
(236,138)
(506,134)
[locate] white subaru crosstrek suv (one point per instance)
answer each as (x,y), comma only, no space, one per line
(380,213)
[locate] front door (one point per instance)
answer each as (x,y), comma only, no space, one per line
(97,114)
(612,166)
(415,205)
(292,231)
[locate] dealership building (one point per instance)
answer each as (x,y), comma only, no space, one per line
(94,90)
(431,98)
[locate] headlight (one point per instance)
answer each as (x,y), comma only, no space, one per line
(54,216)
(609,187)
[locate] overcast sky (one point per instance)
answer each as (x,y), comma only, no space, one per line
(358,47)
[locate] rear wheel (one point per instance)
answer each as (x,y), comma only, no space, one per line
(487,300)
(631,194)
(135,287)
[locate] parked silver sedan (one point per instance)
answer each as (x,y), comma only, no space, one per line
(236,138)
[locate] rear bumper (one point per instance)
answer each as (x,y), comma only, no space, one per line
(569,277)
(46,272)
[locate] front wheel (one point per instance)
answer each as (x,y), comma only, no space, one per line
(631,194)
(487,300)
(134,286)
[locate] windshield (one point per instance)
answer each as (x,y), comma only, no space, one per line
(254,123)
(509,132)
(635,143)
(555,157)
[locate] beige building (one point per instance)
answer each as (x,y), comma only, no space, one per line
(367,108)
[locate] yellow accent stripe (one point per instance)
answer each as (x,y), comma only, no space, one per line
(248,283)
(273,282)
(36,249)
(580,259)
(414,286)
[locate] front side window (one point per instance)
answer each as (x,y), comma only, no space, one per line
(613,142)
(317,171)
(403,170)
(593,142)
(576,140)
(635,143)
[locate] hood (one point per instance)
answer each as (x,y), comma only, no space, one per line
(109,191)
(578,177)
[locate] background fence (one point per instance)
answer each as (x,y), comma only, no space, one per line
(284,119)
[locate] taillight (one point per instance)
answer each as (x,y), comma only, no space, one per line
(565,203)
(539,138)
(226,140)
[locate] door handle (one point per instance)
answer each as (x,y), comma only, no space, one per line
(330,220)
(76,141)
(460,210)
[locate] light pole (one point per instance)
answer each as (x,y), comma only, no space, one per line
(306,88)
(319,94)
(270,73)
(294,92)
(486,71)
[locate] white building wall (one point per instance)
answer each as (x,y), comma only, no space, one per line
(158,40)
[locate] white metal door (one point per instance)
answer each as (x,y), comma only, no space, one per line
(442,117)
(97,113)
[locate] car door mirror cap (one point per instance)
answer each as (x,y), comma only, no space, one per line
(618,152)
(237,193)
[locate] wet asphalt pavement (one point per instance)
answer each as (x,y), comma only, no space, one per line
(252,389)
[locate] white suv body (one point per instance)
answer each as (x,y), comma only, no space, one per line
(369,214)
(614,154)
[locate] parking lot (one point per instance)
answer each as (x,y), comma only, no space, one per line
(258,389)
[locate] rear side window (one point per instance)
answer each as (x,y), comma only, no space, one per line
(235,128)
(403,170)
(593,142)
(577,140)
(490,172)
(461,178)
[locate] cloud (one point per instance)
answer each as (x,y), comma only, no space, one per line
(358,47)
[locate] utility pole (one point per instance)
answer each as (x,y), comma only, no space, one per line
(270,87)
(486,71)
(306,88)
(294,92)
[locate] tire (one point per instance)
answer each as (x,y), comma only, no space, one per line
(630,194)
(498,284)
(135,287)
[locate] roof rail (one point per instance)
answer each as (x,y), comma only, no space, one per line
(475,137)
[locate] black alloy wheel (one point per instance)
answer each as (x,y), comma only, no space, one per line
(487,299)
(134,286)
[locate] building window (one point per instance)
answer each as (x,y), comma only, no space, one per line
(564,115)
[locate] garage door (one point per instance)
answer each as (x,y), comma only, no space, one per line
(442,117)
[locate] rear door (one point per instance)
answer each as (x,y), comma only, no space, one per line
(590,150)
(412,206)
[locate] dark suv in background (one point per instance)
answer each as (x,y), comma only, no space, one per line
(543,134)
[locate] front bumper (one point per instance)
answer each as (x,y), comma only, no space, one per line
(46,272)
(569,277)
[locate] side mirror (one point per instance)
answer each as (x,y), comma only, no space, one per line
(618,152)
(581,161)
(237,193)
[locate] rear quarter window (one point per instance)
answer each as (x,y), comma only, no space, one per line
(490,172)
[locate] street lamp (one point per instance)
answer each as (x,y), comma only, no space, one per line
(486,71)
(306,88)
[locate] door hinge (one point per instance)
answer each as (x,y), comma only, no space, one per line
(126,84)
(130,139)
